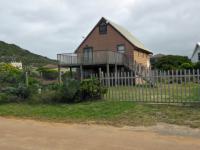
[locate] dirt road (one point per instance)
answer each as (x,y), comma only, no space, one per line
(32,135)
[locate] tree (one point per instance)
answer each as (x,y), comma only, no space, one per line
(197,65)
(9,74)
(170,62)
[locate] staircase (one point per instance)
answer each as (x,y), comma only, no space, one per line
(140,70)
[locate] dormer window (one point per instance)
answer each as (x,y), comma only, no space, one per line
(103,27)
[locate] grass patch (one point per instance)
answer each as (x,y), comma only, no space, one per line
(162,93)
(106,112)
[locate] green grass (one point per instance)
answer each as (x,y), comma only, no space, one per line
(106,112)
(188,92)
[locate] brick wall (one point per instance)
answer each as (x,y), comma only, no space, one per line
(110,41)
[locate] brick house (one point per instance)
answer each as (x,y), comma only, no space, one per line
(108,47)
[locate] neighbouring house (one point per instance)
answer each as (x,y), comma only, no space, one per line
(17,65)
(196,54)
(109,48)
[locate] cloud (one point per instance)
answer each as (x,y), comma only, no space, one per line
(48,27)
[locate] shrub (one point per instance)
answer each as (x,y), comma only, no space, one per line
(7,98)
(21,91)
(69,91)
(92,89)
(48,74)
(9,74)
(46,97)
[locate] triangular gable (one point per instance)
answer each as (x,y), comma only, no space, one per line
(196,48)
(123,32)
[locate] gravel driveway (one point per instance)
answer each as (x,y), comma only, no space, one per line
(34,135)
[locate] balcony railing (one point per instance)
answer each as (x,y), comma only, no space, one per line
(95,58)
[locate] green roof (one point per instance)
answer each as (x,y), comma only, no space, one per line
(128,35)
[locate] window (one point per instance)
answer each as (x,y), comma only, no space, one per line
(198,56)
(103,27)
(121,48)
(88,54)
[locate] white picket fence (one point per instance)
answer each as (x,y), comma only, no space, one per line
(174,86)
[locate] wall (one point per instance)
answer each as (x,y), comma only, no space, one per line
(195,57)
(110,41)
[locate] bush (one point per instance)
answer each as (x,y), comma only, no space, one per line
(7,98)
(69,91)
(46,97)
(92,89)
(9,74)
(21,91)
(48,74)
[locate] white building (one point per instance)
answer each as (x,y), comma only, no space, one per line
(17,65)
(196,54)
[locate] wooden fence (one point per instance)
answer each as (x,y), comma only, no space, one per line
(174,86)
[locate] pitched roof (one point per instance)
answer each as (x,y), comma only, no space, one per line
(126,34)
(196,48)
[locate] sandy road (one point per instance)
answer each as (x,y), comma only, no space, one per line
(32,135)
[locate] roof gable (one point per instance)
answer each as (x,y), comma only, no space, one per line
(197,47)
(126,34)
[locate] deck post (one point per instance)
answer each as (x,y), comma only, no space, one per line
(59,74)
(108,74)
(81,72)
(99,72)
(70,70)
(115,74)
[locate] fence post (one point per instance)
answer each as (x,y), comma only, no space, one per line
(115,75)
(198,84)
(100,75)
(59,74)
(108,74)
(81,72)
(26,76)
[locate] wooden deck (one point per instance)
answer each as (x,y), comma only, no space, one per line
(96,58)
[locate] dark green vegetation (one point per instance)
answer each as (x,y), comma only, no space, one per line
(18,86)
(106,112)
(10,52)
(163,93)
(173,62)
(48,74)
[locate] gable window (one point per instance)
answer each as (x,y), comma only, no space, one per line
(103,27)
(198,56)
(121,48)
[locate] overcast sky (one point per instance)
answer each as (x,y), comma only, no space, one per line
(48,27)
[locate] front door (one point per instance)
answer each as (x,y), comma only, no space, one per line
(88,55)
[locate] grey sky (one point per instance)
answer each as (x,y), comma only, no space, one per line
(48,27)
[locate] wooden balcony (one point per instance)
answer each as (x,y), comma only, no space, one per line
(95,58)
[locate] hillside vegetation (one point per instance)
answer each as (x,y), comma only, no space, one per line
(11,52)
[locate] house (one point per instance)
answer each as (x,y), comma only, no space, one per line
(109,48)
(17,65)
(196,54)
